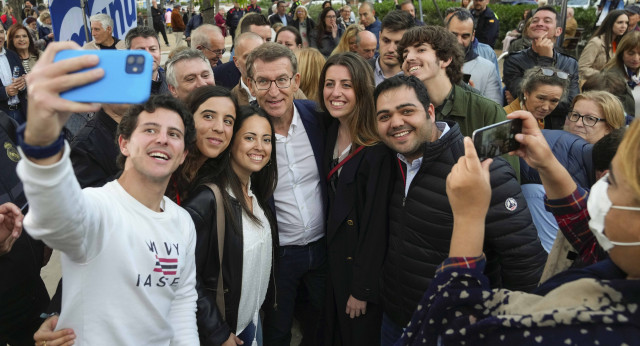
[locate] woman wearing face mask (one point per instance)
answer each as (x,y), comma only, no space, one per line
(357,171)
(626,63)
(541,90)
(327,34)
(246,177)
(594,305)
(603,44)
(214,113)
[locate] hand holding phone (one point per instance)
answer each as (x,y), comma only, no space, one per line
(497,139)
(127,77)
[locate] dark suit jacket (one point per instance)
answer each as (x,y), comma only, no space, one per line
(357,220)
(276,19)
(227,75)
(14,60)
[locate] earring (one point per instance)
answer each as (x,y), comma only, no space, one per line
(524,98)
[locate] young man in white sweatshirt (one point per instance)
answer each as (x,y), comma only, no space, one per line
(127,251)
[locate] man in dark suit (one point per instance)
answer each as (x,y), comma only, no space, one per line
(13,91)
(281,15)
(227,74)
(299,197)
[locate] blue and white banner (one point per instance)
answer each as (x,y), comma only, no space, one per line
(66,18)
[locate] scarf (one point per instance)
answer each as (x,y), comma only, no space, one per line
(633,78)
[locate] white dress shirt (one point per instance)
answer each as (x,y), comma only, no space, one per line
(298,196)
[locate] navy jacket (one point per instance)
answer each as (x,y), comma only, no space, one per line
(14,60)
(193,23)
(487,27)
(573,152)
(227,75)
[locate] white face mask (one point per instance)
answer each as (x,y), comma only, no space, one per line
(598,206)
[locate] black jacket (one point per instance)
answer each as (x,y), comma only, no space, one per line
(227,75)
(421,225)
(94,151)
(515,65)
(487,27)
(14,60)
(23,295)
(201,205)
(327,42)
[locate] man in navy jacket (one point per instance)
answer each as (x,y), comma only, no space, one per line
(299,197)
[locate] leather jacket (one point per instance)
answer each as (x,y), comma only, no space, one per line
(201,205)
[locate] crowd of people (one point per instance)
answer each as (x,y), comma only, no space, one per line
(325,177)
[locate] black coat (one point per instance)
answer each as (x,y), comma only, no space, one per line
(14,60)
(202,207)
(23,295)
(227,75)
(421,224)
(357,231)
(94,151)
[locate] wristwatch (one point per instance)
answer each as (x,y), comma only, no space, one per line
(38,152)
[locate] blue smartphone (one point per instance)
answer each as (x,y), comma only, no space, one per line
(127,77)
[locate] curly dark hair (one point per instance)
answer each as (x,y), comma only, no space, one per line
(443,43)
(129,121)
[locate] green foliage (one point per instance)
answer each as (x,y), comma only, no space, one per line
(508,15)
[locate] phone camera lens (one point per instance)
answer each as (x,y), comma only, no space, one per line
(140,60)
(131,59)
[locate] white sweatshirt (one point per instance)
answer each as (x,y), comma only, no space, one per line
(129,272)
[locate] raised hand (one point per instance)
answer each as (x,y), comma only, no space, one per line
(10,226)
(47,111)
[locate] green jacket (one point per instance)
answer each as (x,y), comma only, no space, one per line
(472,111)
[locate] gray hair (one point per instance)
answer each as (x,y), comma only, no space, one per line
(186,54)
(369,4)
(140,31)
(200,36)
(104,20)
(269,52)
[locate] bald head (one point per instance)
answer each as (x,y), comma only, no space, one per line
(209,40)
(245,44)
(570,13)
(366,42)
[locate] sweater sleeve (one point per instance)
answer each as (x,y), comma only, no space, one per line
(60,213)
(183,307)
(511,237)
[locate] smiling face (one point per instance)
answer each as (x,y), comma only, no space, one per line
(278,103)
(591,134)
(213,47)
(21,39)
(543,100)
(631,58)
(421,61)
(620,25)
(100,35)
(214,125)
(338,93)
(543,24)
(191,74)
(156,147)
(251,147)
(151,45)
(346,14)
(403,122)
(301,14)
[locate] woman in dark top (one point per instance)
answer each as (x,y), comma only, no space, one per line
(357,171)
(327,34)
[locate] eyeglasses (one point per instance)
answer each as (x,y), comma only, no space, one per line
(331,17)
(216,52)
(587,120)
(265,84)
(549,72)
